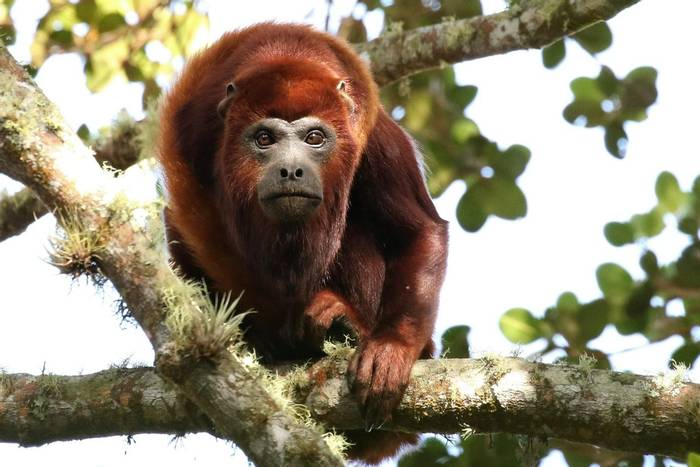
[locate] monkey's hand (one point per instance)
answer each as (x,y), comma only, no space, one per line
(378,375)
(325,307)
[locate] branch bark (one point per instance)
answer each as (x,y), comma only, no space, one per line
(120,149)
(38,149)
(526,24)
(18,211)
(618,411)
(35,410)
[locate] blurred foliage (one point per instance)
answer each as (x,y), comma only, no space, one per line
(605,101)
(8,33)
(137,40)
(593,39)
(145,40)
(432,106)
(664,302)
(610,102)
(502,450)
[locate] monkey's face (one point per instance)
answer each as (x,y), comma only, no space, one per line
(291,156)
(289,146)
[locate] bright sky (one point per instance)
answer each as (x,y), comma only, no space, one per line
(572,185)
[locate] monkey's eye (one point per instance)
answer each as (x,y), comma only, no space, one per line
(264,139)
(315,138)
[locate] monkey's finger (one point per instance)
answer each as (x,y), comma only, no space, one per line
(351,372)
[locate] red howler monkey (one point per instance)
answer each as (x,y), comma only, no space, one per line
(286,179)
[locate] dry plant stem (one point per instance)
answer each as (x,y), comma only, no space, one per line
(621,412)
(38,149)
(527,24)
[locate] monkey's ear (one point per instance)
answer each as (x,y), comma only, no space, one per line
(226,101)
(342,88)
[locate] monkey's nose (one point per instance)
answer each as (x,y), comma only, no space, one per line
(298,173)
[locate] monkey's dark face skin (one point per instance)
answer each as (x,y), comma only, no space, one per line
(291,155)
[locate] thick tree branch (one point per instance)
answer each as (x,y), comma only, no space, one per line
(35,410)
(527,24)
(38,149)
(622,412)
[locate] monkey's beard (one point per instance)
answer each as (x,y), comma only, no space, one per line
(291,262)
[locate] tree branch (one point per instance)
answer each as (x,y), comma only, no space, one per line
(120,149)
(38,149)
(35,410)
(527,24)
(618,411)
(18,211)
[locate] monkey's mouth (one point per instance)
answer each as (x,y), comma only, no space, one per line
(290,206)
(297,194)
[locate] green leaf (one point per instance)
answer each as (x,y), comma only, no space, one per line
(648,225)
(607,81)
(687,354)
(688,267)
(639,89)
(619,233)
(595,38)
(455,342)
(470,215)
(587,89)
(511,163)
(464,129)
(106,63)
(86,9)
(696,186)
(615,282)
(84,133)
(553,54)
(616,140)
(649,263)
(500,197)
(62,37)
(568,303)
(585,112)
(462,96)
(693,460)
(110,22)
(668,191)
(519,326)
(592,318)
(689,226)
(639,300)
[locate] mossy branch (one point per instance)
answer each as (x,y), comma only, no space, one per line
(18,211)
(38,149)
(619,411)
(119,149)
(527,24)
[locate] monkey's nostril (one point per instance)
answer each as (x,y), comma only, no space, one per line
(284,173)
(299,173)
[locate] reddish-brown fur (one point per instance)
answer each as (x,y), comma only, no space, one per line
(373,254)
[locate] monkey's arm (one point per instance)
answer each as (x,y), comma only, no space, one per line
(414,240)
